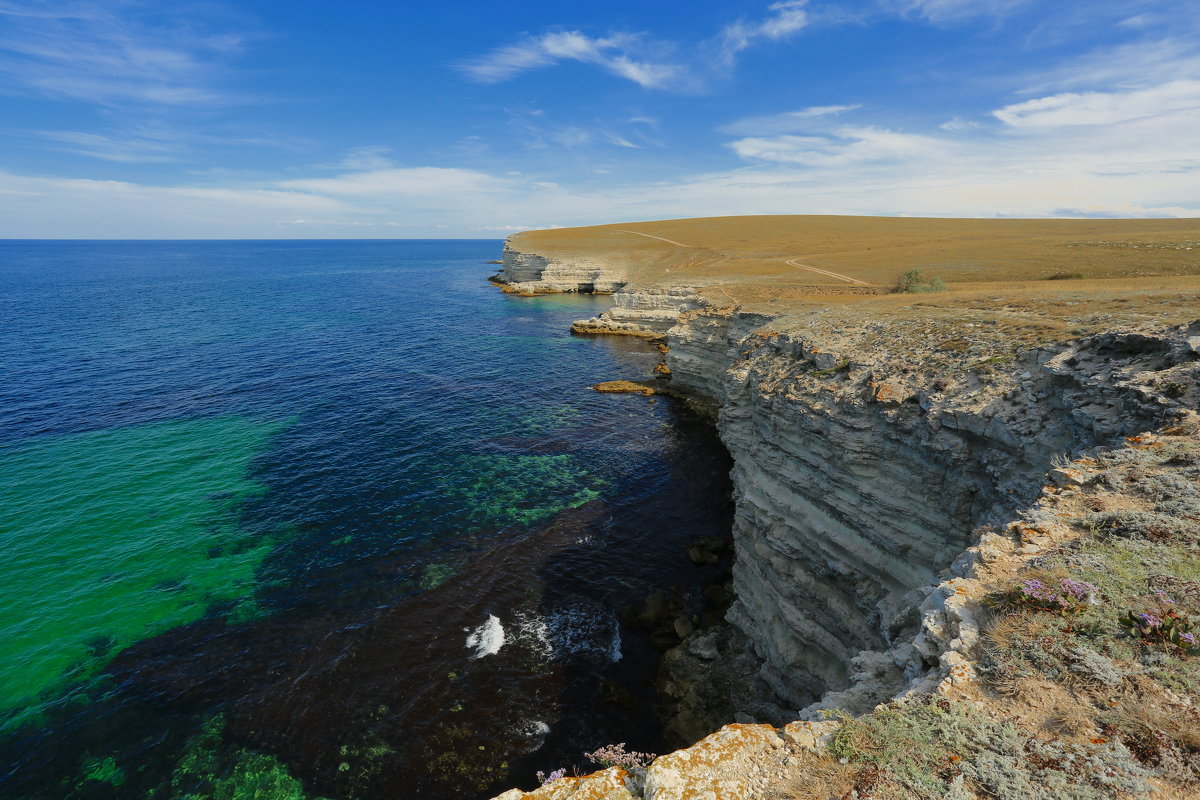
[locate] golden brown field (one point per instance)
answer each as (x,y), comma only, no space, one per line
(878,249)
(1068,274)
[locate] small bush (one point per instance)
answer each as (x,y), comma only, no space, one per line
(913,282)
(1160,621)
(615,755)
(1065,276)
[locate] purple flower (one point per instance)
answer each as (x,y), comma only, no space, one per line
(543,778)
(1149,621)
(614,755)
(1079,589)
(1190,638)
(1161,597)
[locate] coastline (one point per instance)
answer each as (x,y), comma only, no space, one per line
(891,470)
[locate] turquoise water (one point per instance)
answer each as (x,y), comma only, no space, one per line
(261,497)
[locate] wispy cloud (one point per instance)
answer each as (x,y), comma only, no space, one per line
(414,182)
(1103,108)
(960,125)
(117,52)
(538,133)
(616,53)
(127,150)
(850,145)
(783,20)
(637,57)
(154,141)
(948,11)
(787,122)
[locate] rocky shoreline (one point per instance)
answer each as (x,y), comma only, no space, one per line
(882,470)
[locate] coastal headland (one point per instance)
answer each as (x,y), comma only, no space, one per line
(967,486)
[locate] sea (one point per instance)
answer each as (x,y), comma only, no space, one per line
(325,519)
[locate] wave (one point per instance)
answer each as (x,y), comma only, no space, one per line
(488,638)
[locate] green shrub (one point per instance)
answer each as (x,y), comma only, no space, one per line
(913,282)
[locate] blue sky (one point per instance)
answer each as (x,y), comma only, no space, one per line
(478,119)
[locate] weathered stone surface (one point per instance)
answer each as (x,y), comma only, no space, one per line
(861,528)
(530,273)
(737,762)
(1066,477)
(613,783)
(810,735)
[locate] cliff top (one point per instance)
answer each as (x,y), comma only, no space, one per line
(836,251)
(1027,280)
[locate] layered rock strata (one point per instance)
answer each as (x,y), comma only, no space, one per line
(530,273)
(648,312)
(856,483)
(871,461)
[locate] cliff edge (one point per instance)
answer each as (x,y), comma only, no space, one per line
(959,512)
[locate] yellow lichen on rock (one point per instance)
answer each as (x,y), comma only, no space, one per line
(738,762)
(625,387)
(608,784)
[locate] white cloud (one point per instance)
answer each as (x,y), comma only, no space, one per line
(367,158)
(1103,108)
(635,57)
(959,125)
(129,150)
(786,18)
(105,53)
(950,11)
(150,141)
(39,207)
(412,182)
(612,53)
(787,122)
(851,145)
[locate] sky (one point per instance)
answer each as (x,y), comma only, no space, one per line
(258,119)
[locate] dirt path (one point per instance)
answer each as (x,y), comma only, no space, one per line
(795,263)
(662,239)
(792,263)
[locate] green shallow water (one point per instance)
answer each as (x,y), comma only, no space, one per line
(112,536)
(259,499)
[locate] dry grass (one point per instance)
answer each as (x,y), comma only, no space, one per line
(879,249)
(815,776)
(1134,271)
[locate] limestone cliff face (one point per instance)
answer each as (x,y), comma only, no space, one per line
(870,463)
(530,273)
(854,488)
(642,311)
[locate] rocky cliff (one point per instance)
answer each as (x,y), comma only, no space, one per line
(875,453)
(524,272)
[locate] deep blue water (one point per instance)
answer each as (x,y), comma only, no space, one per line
(323,519)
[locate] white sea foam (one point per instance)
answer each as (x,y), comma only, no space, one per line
(488,638)
(614,648)
(532,728)
(583,628)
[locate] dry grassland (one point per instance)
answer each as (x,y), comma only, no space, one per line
(1072,276)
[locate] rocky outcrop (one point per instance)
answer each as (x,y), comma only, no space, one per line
(530,273)
(642,311)
(872,463)
(854,487)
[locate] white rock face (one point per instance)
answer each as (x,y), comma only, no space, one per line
(642,311)
(861,485)
(529,273)
(853,491)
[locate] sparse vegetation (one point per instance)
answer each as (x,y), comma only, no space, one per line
(936,748)
(1066,276)
(1094,645)
(914,282)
